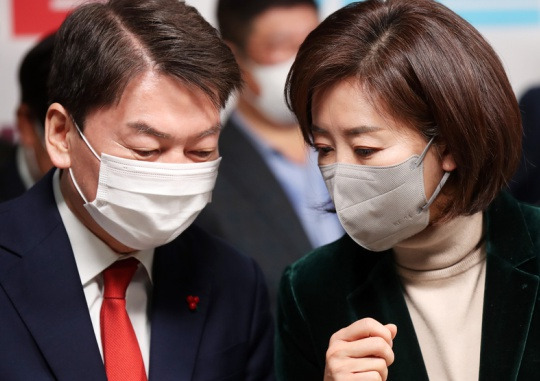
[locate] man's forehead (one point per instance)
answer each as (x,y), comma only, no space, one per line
(153,103)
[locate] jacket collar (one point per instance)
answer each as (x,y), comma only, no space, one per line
(40,277)
(381,297)
(176,328)
(511,289)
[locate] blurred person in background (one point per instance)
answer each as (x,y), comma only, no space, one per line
(23,164)
(525,185)
(269,199)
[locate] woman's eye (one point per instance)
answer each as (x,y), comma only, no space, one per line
(364,152)
(323,150)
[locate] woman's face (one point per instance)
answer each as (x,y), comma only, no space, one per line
(348,129)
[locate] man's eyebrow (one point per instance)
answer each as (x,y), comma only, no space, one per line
(216,129)
(144,128)
(352,131)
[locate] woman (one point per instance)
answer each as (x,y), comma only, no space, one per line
(417,130)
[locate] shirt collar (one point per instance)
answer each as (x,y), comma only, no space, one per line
(92,255)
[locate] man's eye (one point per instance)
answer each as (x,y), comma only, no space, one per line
(203,154)
(146,153)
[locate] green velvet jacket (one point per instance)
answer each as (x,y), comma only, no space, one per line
(340,283)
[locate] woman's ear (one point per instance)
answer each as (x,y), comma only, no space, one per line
(57,126)
(448,163)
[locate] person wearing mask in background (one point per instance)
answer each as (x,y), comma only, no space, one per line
(270,198)
(418,131)
(525,185)
(102,276)
(23,164)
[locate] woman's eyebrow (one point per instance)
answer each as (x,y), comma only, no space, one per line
(351,131)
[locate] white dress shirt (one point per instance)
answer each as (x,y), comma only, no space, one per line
(93,256)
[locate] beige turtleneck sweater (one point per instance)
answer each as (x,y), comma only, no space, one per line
(443,274)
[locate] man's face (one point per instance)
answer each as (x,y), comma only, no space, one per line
(277,33)
(157,119)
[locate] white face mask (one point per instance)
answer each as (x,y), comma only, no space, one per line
(271,100)
(381,206)
(147,204)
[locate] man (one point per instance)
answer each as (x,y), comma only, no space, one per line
(136,89)
(270,200)
(23,164)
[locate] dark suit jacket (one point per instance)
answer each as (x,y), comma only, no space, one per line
(250,210)
(45,327)
(525,185)
(340,283)
(11,184)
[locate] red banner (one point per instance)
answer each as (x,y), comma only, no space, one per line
(37,17)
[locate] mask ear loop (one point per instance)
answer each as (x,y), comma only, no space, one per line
(437,190)
(441,183)
(77,185)
(424,152)
(84,138)
(91,149)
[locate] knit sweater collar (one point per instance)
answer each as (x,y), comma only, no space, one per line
(446,249)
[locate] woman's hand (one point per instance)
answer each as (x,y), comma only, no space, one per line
(361,351)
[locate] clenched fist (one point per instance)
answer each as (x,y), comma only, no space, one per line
(361,351)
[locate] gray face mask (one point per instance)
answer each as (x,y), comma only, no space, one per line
(381,206)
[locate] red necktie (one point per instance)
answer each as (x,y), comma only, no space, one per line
(121,352)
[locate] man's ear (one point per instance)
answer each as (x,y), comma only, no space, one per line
(57,126)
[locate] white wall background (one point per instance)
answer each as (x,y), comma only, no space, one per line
(511,26)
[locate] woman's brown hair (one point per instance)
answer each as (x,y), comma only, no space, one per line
(427,67)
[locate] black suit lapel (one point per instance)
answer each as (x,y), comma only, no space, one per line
(381,298)
(176,329)
(511,292)
(239,158)
(40,277)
